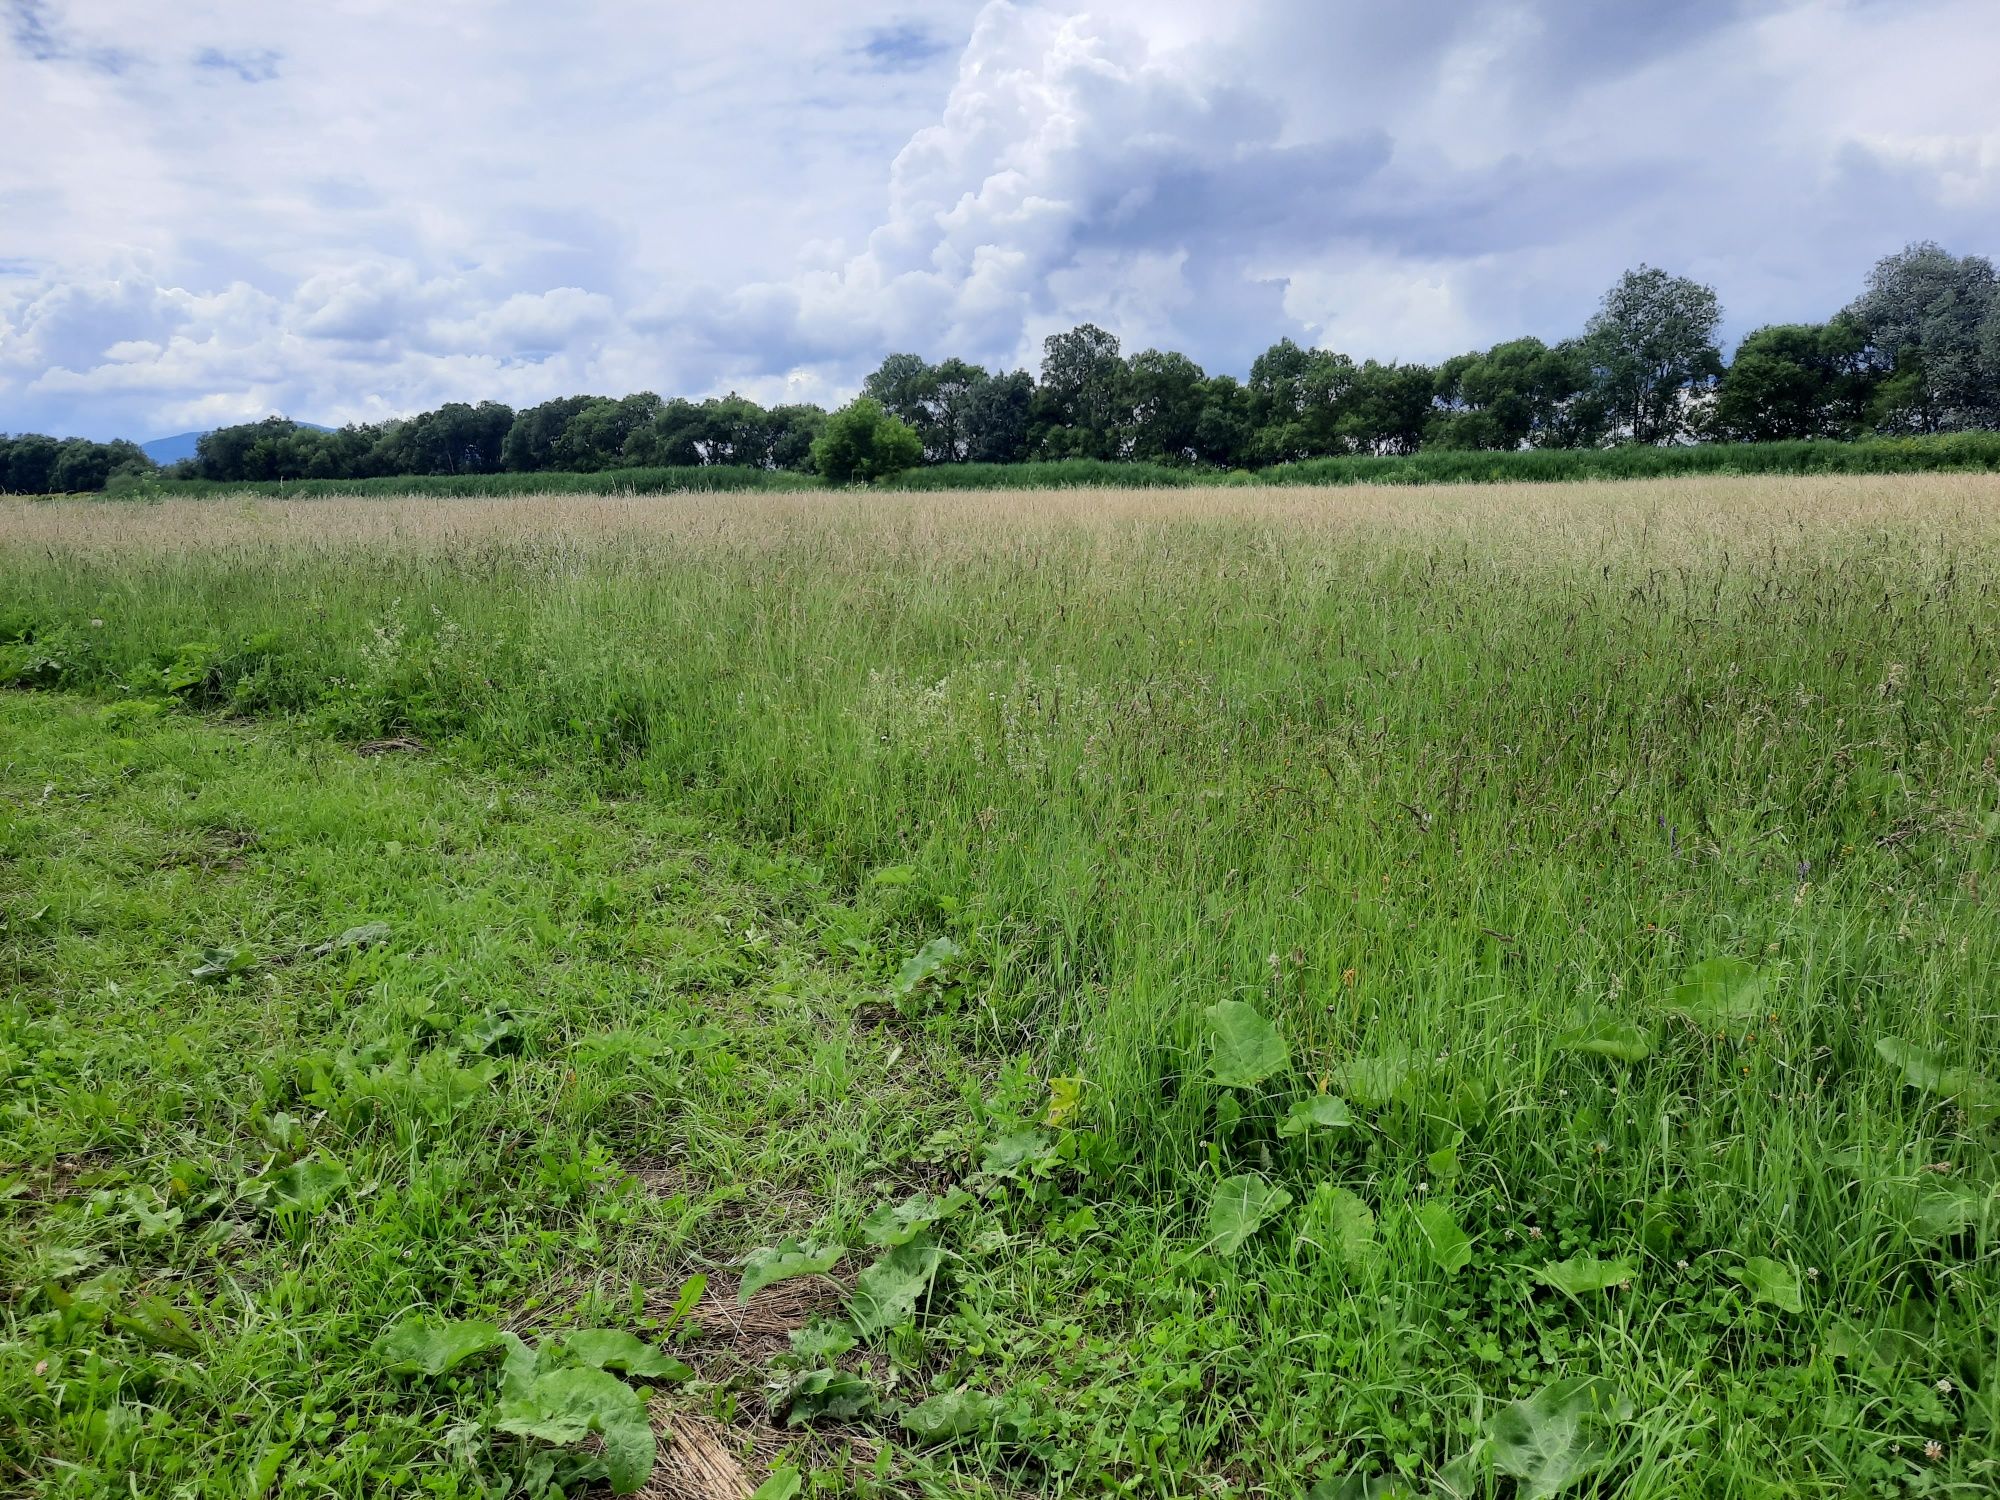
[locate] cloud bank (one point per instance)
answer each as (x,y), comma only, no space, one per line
(358,210)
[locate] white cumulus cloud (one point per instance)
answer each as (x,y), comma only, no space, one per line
(357,209)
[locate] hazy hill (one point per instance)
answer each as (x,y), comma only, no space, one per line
(171,450)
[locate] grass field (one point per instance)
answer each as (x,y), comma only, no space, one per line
(1461,991)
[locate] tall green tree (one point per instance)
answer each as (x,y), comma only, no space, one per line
(941,403)
(673,438)
(1385,409)
(1279,403)
(530,444)
(902,385)
(792,431)
(275,448)
(735,430)
(951,411)
(366,451)
(1519,394)
(36,464)
(1651,345)
(80,465)
(31,464)
(457,438)
(1081,398)
(999,419)
(1297,398)
(1796,380)
(1933,333)
(1222,431)
(1165,393)
(593,437)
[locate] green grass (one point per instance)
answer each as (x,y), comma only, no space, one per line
(1619,856)
(690,1072)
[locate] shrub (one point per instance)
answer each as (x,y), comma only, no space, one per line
(666,480)
(862,442)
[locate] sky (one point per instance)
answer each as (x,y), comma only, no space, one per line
(357,209)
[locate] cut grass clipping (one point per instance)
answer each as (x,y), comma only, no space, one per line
(1441,993)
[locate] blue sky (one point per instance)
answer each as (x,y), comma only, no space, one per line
(357,209)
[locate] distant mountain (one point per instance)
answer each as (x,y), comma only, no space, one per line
(171,450)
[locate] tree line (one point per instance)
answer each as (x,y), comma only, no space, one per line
(1918,351)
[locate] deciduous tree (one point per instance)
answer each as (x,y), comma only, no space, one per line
(863,442)
(1651,346)
(1929,318)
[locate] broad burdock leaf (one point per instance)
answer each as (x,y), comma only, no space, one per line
(1012,1152)
(304,1186)
(899,1223)
(1317,1112)
(1449,1246)
(629,1450)
(783,1484)
(614,1349)
(1879,1352)
(1244,1047)
(826,1393)
(152,1223)
(1238,1208)
(1770,1281)
(1583,1274)
(927,963)
(1662,1222)
(1947,1211)
(1923,1068)
(1720,992)
(1377,1081)
(565,1406)
(519,1366)
(417,1346)
(1606,1036)
(1366,1487)
(1464,1477)
(219,963)
(1926,1069)
(1341,1221)
(1863,1163)
(1557,1436)
(782,1262)
(953,1414)
(821,1343)
(367,935)
(888,1291)
(494,1031)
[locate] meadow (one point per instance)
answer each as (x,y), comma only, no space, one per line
(1360,991)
